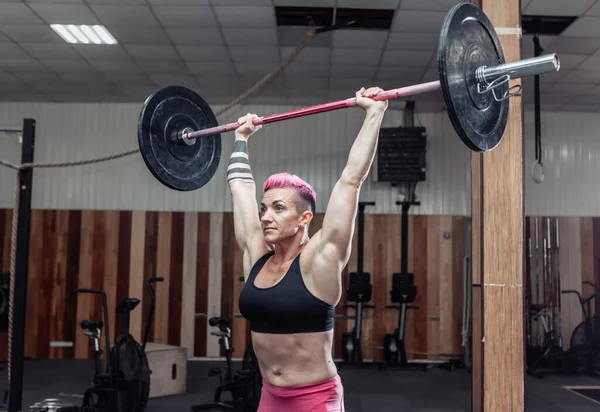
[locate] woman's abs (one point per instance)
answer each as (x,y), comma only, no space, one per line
(296,359)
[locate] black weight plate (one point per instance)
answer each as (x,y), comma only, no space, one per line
(174,163)
(468,41)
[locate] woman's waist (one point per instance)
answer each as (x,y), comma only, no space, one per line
(290,359)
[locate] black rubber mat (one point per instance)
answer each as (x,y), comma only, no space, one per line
(591,393)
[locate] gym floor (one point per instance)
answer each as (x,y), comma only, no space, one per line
(436,390)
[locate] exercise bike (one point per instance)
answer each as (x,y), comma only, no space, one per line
(583,355)
(360,290)
(121,380)
(244,385)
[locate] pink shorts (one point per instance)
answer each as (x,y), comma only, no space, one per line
(326,396)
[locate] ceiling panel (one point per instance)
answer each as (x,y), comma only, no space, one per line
(584,27)
(142,52)
(413,41)
(185,16)
(129,16)
(315,55)
(250,37)
(211,68)
(575,45)
(17,13)
(558,8)
(371,4)
(121,2)
(30,33)
(294,36)
(108,66)
(67,66)
(64,13)
(16,65)
(262,54)
(406,57)
(430,5)
(360,39)
(418,21)
(355,56)
(49,50)
(195,36)
(204,53)
(11,50)
(242,17)
(355,70)
(139,35)
(226,46)
(53,1)
(164,67)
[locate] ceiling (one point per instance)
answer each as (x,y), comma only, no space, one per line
(220,48)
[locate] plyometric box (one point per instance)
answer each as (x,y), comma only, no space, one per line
(169,369)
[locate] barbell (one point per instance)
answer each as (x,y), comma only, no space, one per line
(180,139)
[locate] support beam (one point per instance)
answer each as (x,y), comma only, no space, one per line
(17,343)
(498,233)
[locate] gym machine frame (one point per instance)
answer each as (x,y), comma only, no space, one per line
(359,291)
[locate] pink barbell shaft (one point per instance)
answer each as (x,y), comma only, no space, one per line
(340,104)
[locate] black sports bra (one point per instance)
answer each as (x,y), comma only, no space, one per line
(287,307)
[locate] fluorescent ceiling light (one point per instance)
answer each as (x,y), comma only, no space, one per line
(83,34)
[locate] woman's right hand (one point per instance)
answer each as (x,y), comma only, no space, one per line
(246,128)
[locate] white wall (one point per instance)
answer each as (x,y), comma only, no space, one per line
(314,147)
(571,157)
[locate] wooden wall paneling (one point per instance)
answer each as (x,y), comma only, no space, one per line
(69,317)
(84,301)
(393,235)
(163,269)
(446,322)
(367,341)
(457,284)
(411,325)
(46,277)
(216,274)
(137,270)
(380,284)
(123,263)
(239,324)
(204,271)
(417,336)
(434,233)
(36,251)
(111,268)
(151,259)
(60,293)
(188,281)
(175,319)
(96,275)
(227,286)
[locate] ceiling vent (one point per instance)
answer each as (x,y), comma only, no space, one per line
(377,19)
(546,25)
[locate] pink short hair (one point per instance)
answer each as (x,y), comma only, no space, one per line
(304,190)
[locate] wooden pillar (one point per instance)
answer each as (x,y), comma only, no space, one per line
(498,379)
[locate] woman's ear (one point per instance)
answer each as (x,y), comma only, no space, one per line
(305,218)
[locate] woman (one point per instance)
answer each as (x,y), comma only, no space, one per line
(293,282)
